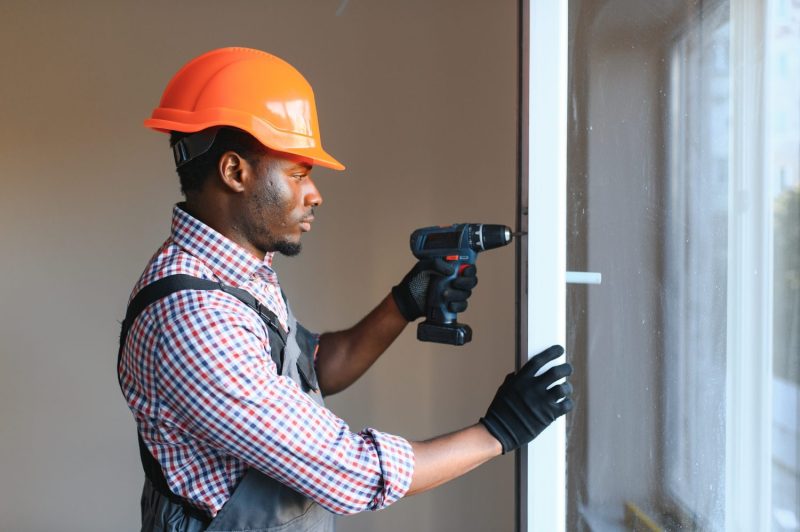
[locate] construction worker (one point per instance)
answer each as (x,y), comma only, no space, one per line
(225,385)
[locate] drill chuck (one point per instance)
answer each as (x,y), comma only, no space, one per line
(489,236)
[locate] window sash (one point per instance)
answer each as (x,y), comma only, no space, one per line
(541,493)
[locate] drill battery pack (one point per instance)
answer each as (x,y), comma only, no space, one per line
(453,333)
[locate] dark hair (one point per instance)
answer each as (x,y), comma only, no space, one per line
(194,173)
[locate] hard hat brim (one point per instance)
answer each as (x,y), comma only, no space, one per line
(265,133)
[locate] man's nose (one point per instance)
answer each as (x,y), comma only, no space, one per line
(312,196)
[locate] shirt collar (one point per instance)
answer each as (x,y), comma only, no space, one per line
(230,262)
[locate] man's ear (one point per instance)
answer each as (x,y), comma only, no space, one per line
(232,170)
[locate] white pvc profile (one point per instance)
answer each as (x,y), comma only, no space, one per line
(543,480)
(584,277)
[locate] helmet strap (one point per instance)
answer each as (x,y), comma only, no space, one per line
(193,146)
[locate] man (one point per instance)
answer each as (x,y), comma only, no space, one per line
(225,386)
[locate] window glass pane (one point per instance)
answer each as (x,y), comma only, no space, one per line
(684,192)
(782,169)
(648,207)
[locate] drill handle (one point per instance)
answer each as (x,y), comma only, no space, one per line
(437,311)
(441,325)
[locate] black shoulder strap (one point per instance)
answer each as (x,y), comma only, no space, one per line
(174,283)
(144,298)
(160,289)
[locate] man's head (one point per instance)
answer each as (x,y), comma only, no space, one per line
(252,180)
(260,198)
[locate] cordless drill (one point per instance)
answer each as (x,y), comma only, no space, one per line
(458,244)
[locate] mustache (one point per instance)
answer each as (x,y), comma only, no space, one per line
(309,216)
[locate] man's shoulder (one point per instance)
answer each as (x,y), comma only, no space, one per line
(171,259)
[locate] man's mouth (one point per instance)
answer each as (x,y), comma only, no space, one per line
(305,225)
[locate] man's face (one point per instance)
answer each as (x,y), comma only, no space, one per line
(280,203)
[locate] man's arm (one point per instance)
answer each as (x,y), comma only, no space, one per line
(233,400)
(344,356)
(447,457)
(524,405)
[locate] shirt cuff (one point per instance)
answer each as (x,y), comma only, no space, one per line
(396,458)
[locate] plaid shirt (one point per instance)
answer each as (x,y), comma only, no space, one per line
(197,374)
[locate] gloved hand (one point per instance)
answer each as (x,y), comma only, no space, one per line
(525,404)
(411,294)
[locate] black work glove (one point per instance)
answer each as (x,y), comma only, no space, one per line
(525,404)
(411,294)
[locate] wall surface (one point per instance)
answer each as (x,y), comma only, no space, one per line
(417,98)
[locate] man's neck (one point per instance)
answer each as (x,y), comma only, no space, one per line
(219,220)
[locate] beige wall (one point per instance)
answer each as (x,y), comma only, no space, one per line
(417,98)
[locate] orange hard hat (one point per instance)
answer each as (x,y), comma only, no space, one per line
(246,89)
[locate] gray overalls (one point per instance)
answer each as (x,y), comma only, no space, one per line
(259,503)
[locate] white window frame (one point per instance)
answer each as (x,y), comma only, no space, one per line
(542,258)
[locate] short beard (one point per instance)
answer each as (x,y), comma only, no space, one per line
(289,249)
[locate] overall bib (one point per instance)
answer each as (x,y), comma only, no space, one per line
(259,503)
